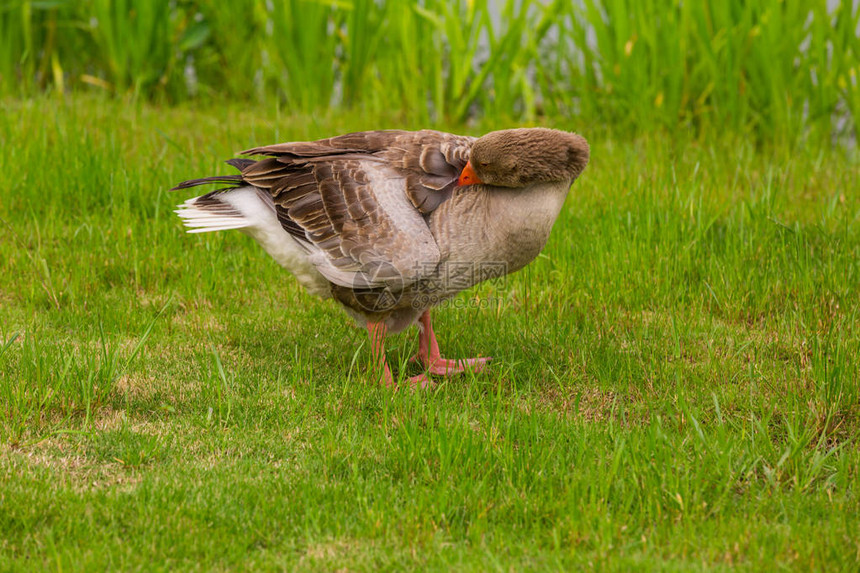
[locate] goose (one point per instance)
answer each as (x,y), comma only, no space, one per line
(392,223)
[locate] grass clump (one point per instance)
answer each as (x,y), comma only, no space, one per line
(773,68)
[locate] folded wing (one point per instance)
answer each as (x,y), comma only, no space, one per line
(358,202)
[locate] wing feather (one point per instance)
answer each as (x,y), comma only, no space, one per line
(360,200)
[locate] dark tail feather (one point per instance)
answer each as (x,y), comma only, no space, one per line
(236,180)
(241,163)
(229,179)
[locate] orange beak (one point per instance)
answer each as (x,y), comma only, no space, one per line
(468,176)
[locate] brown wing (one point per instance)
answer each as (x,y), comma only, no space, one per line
(360,199)
(430,160)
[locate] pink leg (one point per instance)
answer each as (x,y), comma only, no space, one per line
(377,331)
(429,356)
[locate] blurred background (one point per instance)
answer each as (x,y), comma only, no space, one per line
(770,68)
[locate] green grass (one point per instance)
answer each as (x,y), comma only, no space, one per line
(769,69)
(675,383)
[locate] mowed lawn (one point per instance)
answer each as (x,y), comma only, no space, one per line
(674,384)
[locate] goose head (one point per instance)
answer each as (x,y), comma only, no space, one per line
(525,156)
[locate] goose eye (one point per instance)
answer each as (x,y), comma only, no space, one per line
(483,163)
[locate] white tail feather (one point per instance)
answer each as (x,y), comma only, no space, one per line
(199,220)
(253,211)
